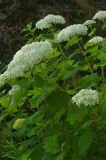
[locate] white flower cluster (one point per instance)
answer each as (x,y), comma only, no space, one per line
(72,30)
(86,97)
(25,59)
(18,123)
(96,40)
(15,89)
(100,15)
(50,19)
(89,22)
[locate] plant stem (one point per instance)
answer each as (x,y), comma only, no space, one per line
(94,111)
(103,76)
(58,45)
(62,52)
(85,58)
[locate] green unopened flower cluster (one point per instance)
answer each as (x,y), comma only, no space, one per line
(18,123)
(86,97)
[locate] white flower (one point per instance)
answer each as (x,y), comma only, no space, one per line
(50,19)
(100,15)
(26,58)
(18,123)
(42,24)
(86,97)
(15,89)
(54,19)
(89,22)
(76,29)
(96,40)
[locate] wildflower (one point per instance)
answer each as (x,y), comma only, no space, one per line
(86,97)
(18,123)
(76,29)
(28,56)
(89,22)
(100,15)
(96,40)
(15,89)
(50,19)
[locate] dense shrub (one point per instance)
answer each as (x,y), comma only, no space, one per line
(53,94)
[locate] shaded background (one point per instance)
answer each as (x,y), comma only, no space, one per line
(16,14)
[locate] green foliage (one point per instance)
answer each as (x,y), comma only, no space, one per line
(54,128)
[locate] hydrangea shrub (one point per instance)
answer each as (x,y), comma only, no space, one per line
(53,94)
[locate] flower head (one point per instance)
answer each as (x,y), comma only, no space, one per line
(100,15)
(42,24)
(76,29)
(50,19)
(28,56)
(15,89)
(96,40)
(86,97)
(89,22)
(18,123)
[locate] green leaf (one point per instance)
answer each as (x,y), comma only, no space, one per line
(70,92)
(60,157)
(38,153)
(74,54)
(102,57)
(84,139)
(84,142)
(92,32)
(38,98)
(46,36)
(55,102)
(104,43)
(84,127)
(104,26)
(76,114)
(39,82)
(72,42)
(35,118)
(70,74)
(93,50)
(51,144)
(26,156)
(54,54)
(89,81)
